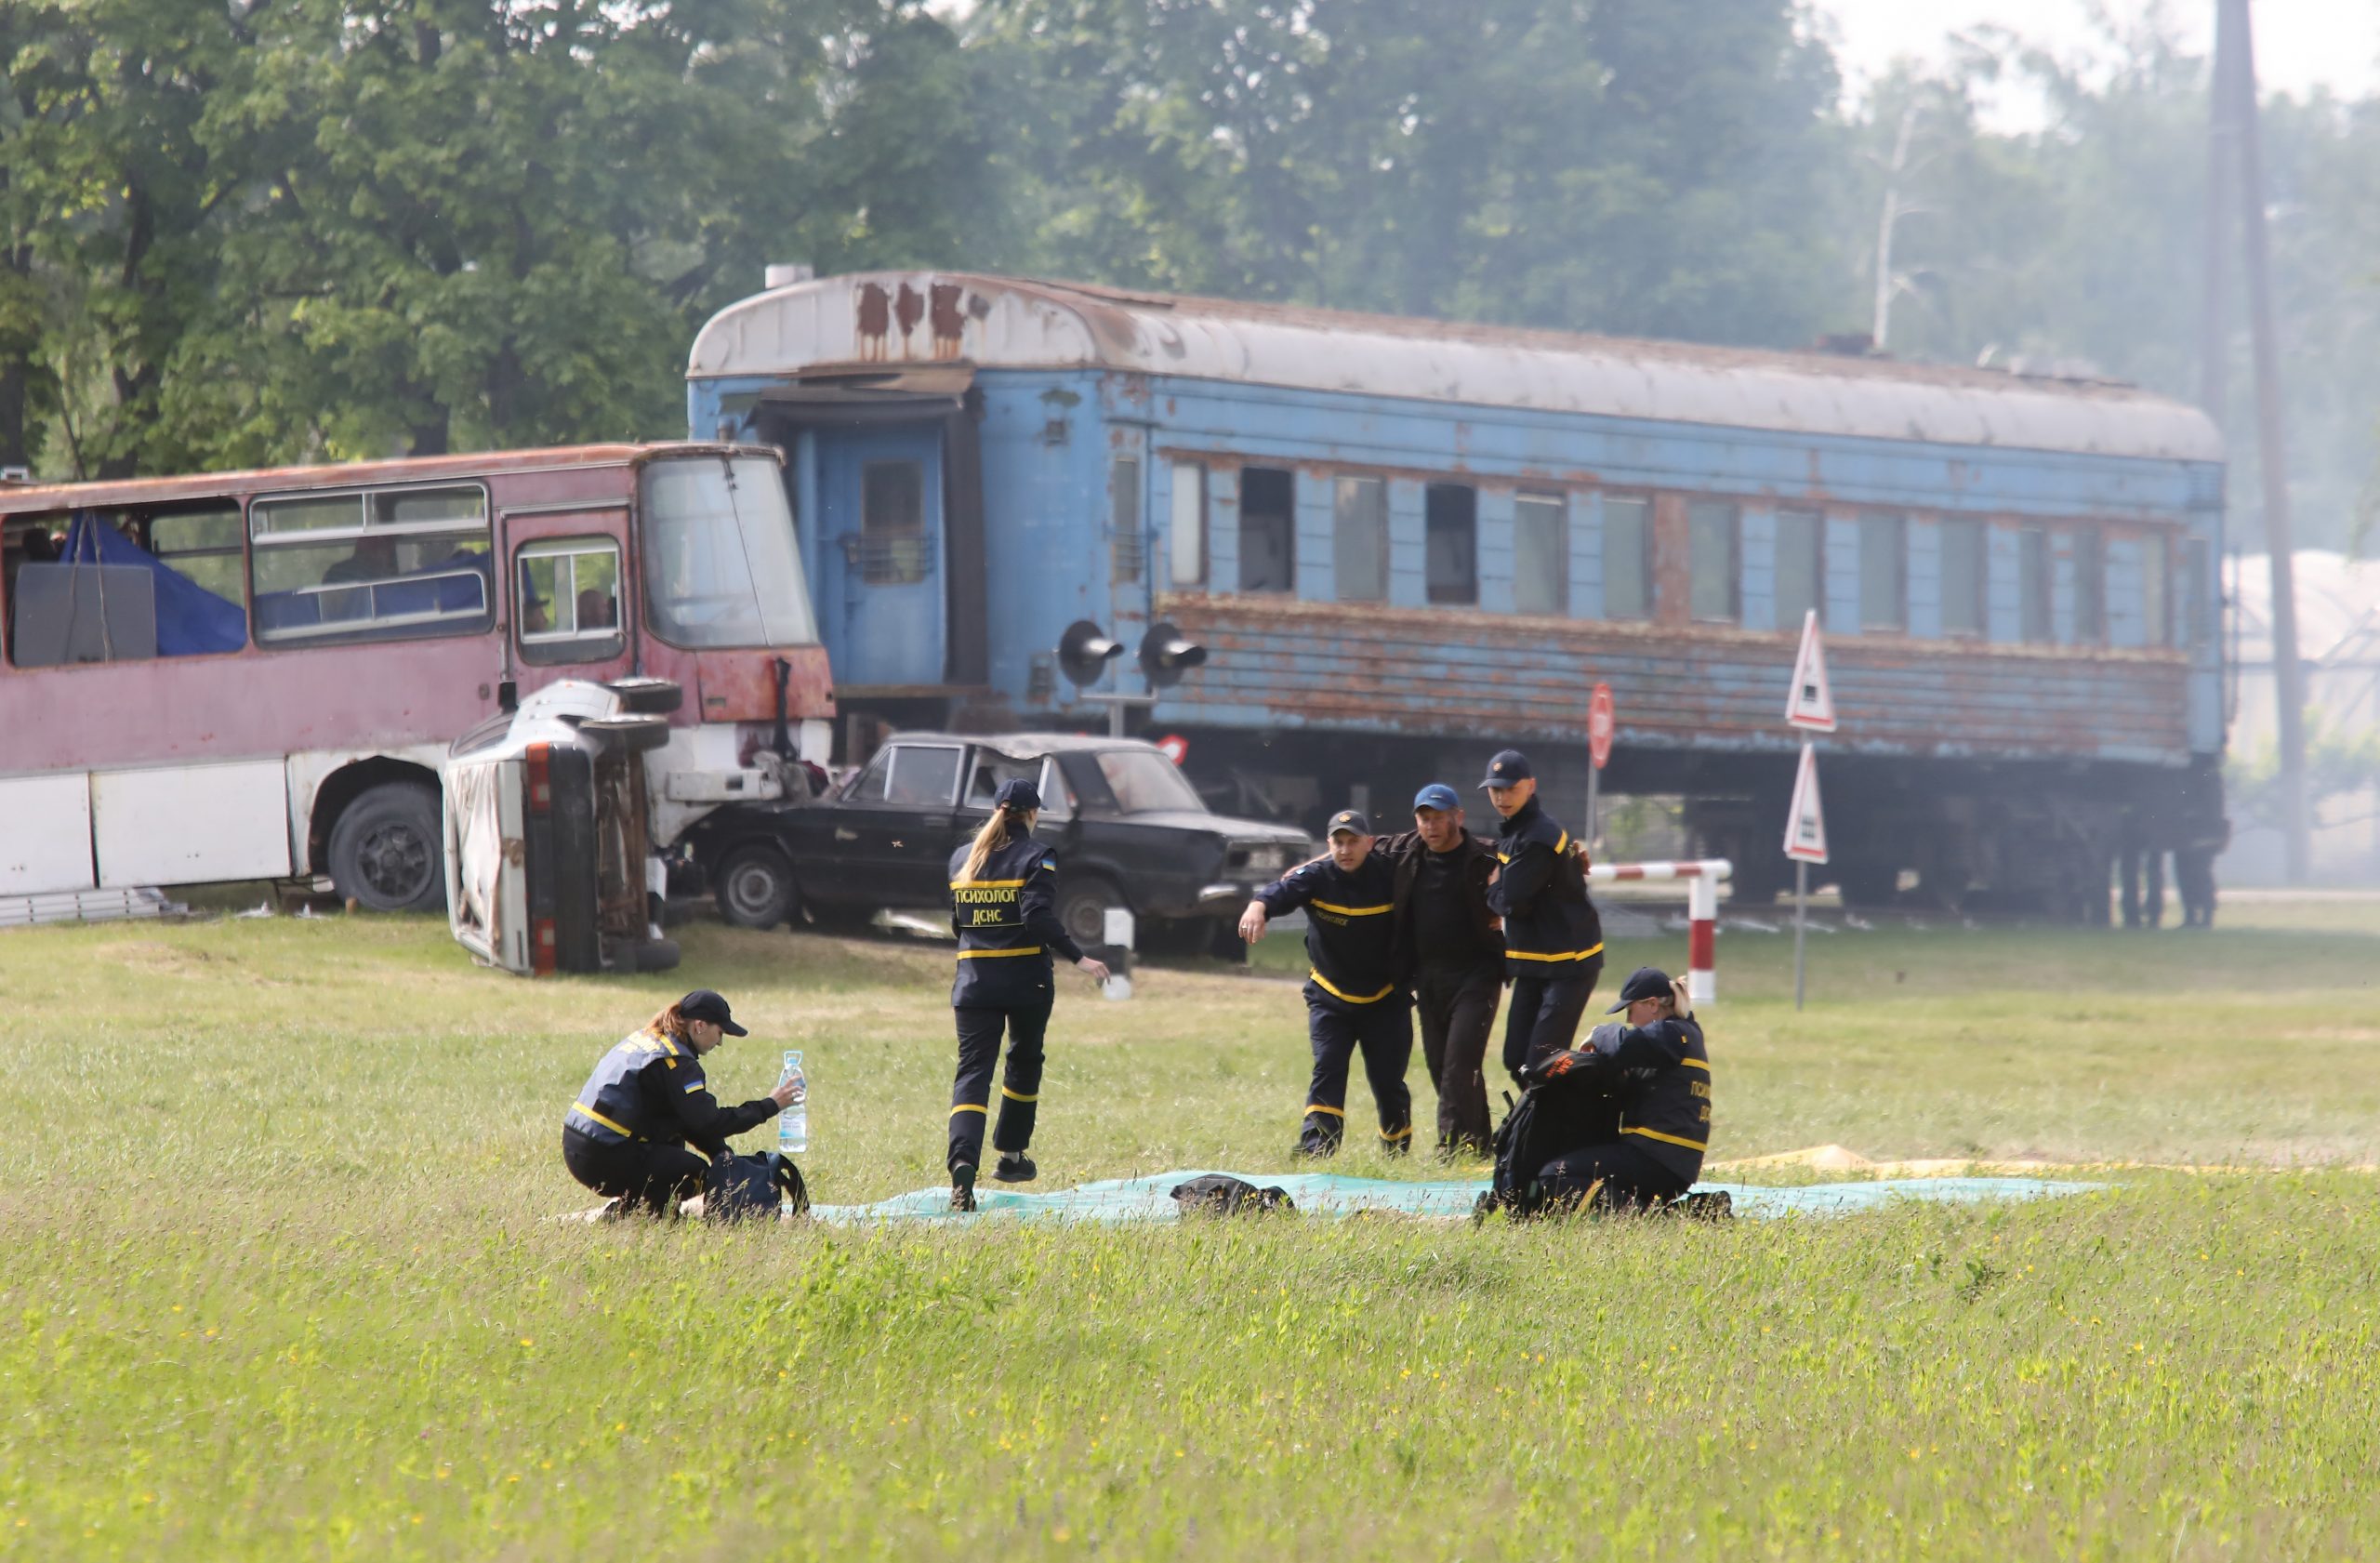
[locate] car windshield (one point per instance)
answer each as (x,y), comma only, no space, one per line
(1145,781)
(720,564)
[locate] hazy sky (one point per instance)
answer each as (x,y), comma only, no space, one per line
(2300,43)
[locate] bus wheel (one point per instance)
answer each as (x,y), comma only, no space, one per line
(386,854)
(754,885)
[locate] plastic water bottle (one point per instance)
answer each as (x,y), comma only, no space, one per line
(793,1123)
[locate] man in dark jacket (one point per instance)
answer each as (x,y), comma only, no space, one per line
(1644,1089)
(1450,947)
(1553,938)
(1355,995)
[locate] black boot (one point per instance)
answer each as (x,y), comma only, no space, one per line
(962,1188)
(1014,1166)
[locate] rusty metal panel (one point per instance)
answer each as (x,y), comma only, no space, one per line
(1432,673)
(907,317)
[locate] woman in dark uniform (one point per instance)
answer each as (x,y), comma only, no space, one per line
(1004,908)
(627,1136)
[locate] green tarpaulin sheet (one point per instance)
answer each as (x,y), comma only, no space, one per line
(1327,1194)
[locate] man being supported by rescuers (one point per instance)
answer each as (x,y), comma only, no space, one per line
(1622,1122)
(1356,997)
(1553,936)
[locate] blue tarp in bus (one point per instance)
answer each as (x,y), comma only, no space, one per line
(1327,1194)
(191,620)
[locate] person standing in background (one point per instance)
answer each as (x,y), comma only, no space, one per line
(1450,945)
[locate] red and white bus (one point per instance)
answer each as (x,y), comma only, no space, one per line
(254,675)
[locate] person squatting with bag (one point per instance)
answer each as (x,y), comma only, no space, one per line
(1004,908)
(627,1136)
(1621,1122)
(1553,936)
(1356,997)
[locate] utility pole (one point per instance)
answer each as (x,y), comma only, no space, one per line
(2272,456)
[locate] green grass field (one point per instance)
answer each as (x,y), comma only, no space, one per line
(278,1252)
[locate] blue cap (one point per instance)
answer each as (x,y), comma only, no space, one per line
(1017,793)
(1510,765)
(1437,795)
(1645,982)
(1349,819)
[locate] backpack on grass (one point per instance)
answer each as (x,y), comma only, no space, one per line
(756,1183)
(1218,1194)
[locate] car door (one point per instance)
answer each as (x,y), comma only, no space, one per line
(906,836)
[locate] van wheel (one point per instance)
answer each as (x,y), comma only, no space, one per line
(1082,907)
(754,887)
(388,850)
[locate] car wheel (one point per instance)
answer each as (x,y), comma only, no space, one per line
(1082,907)
(754,885)
(388,850)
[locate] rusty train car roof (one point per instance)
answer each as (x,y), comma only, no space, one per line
(31,498)
(893,320)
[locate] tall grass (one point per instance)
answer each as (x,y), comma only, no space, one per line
(277,1254)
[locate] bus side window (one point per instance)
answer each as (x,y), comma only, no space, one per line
(566,600)
(383,564)
(123,586)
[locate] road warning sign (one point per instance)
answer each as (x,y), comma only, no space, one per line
(1810,703)
(1805,821)
(1602,717)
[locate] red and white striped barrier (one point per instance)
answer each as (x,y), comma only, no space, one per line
(1701,912)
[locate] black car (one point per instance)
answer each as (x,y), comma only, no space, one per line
(1129,831)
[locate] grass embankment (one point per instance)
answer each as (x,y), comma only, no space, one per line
(274,1209)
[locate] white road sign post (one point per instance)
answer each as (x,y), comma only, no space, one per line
(1806,844)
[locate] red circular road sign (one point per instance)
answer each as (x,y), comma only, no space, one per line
(1176,747)
(1601,719)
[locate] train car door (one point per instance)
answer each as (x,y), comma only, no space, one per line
(881,527)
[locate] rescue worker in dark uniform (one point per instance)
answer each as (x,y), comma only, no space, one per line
(1452,951)
(1552,938)
(1653,1074)
(627,1136)
(1354,996)
(1004,908)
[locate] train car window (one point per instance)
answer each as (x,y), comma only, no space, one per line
(1267,530)
(1359,539)
(1452,542)
(893,547)
(1130,545)
(567,600)
(1883,573)
(1714,533)
(1964,575)
(380,566)
(2032,585)
(1801,567)
(2090,587)
(1540,554)
(2156,590)
(2199,613)
(1186,539)
(1627,557)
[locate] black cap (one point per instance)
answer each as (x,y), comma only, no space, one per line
(703,1004)
(1509,766)
(1018,794)
(1645,982)
(1348,820)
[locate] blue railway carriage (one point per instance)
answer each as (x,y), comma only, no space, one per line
(1405,543)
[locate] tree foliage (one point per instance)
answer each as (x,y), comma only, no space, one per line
(243,230)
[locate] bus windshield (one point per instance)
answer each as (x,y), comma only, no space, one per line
(720,566)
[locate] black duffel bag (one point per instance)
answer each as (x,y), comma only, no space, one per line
(756,1183)
(1220,1193)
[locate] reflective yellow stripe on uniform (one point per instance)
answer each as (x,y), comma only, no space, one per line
(1324,983)
(1404,1133)
(986,954)
(1019,1096)
(986,884)
(1562,955)
(1700,1064)
(590,1114)
(1349,911)
(1318,1108)
(968,1107)
(1669,1139)
(1563,845)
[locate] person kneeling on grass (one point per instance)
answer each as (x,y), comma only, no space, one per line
(626,1136)
(1648,1118)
